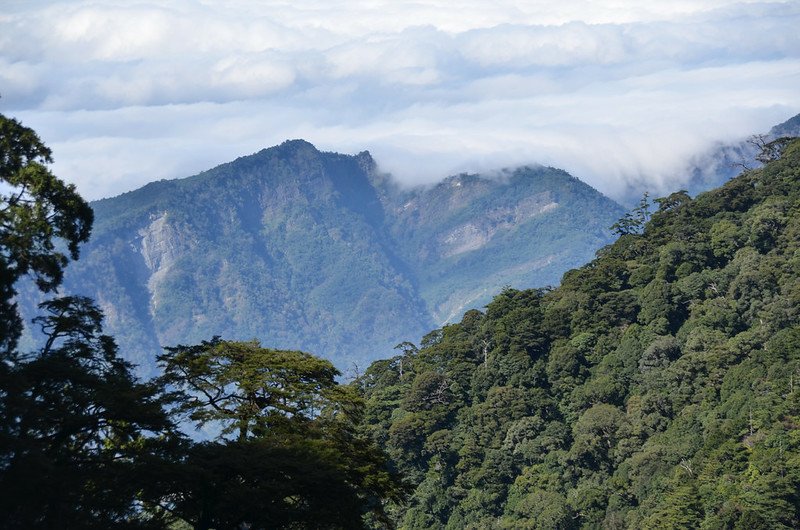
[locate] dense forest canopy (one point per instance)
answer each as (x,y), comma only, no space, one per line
(657,387)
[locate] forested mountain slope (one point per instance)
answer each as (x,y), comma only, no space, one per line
(323,252)
(657,387)
(468,236)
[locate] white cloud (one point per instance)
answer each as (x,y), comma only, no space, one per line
(570,44)
(617,92)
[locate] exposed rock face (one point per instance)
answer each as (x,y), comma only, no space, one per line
(464,239)
(476,234)
(159,244)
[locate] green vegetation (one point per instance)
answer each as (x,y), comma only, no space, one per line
(321,252)
(468,236)
(80,439)
(83,444)
(657,387)
(36,212)
(288,455)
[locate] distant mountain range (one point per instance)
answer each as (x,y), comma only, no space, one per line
(323,252)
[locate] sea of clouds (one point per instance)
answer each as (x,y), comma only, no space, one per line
(620,93)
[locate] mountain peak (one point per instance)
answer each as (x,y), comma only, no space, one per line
(297,143)
(290,147)
(319,250)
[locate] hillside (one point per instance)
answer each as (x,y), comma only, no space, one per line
(469,236)
(657,387)
(323,252)
(715,167)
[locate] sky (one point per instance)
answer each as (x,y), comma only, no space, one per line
(614,91)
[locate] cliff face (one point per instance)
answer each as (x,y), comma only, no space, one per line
(321,252)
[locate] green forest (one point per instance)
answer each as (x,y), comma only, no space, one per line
(654,388)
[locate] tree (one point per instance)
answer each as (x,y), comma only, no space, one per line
(248,389)
(80,439)
(38,214)
(680,508)
(288,455)
(535,508)
(768,149)
(408,350)
(77,431)
(634,222)
(596,433)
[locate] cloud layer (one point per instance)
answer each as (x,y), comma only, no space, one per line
(619,93)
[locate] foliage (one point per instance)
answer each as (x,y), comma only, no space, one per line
(80,438)
(39,214)
(248,388)
(657,387)
(295,461)
(769,149)
(633,222)
(83,445)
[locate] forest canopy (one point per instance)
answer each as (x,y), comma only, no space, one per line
(657,387)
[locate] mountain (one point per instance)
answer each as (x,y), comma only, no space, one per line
(656,387)
(724,161)
(711,167)
(468,236)
(323,252)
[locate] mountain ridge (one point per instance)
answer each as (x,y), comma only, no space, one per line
(315,250)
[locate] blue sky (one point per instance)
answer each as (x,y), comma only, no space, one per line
(615,91)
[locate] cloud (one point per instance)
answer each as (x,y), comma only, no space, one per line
(619,95)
